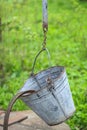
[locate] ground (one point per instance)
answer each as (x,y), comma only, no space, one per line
(33,122)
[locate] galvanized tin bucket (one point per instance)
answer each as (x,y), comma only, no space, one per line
(52,100)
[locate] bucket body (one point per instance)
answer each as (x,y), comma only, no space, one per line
(53,100)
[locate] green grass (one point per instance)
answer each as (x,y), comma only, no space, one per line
(66,41)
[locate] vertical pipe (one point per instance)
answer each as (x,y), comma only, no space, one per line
(45,15)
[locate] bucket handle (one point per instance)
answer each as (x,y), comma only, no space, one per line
(34,63)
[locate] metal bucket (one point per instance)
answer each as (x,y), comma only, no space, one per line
(52,100)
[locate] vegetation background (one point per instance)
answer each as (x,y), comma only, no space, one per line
(21,37)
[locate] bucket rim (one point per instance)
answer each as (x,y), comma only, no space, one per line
(48,69)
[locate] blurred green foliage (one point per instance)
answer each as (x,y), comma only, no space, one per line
(66,40)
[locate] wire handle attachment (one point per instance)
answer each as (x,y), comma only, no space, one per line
(34,63)
(45,29)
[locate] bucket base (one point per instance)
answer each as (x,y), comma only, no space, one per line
(61,121)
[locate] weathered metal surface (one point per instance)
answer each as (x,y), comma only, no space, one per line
(53,100)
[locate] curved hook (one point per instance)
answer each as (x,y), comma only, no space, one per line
(18,95)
